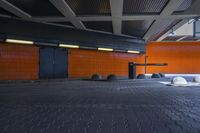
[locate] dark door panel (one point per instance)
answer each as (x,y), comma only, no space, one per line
(60,66)
(53,62)
(46,62)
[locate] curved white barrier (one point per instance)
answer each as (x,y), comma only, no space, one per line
(196,79)
(179,81)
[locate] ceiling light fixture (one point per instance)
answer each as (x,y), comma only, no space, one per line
(68,46)
(19,41)
(105,49)
(133,51)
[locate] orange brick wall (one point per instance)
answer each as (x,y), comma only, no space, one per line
(21,62)
(182,57)
(18,62)
(84,63)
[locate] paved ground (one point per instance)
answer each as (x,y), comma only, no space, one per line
(98,107)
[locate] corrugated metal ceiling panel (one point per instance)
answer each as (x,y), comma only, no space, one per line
(143,6)
(136,28)
(99,25)
(90,7)
(36,7)
(185,5)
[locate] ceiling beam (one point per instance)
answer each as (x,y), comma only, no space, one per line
(94,18)
(66,19)
(109,18)
(51,19)
(167,11)
(64,8)
(13,9)
(175,27)
(140,17)
(116,13)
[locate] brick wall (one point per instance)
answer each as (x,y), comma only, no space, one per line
(21,62)
(18,62)
(84,63)
(182,57)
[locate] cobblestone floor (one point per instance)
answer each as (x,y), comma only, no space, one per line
(98,107)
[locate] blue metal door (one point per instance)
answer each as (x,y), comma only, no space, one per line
(60,63)
(53,62)
(46,62)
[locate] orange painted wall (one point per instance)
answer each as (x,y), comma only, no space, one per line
(84,63)
(18,62)
(21,62)
(182,57)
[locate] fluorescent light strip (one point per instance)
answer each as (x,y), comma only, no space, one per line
(133,51)
(68,46)
(105,49)
(19,41)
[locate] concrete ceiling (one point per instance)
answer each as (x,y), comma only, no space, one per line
(95,15)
